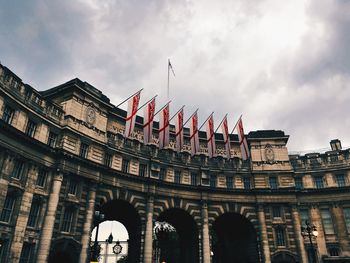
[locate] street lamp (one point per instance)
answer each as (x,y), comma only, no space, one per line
(98,218)
(310,231)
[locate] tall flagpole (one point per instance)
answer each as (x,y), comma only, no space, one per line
(168,76)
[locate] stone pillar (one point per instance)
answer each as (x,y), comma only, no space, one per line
(85,239)
(263,234)
(320,240)
(341,230)
(147,256)
(49,220)
(205,234)
(298,238)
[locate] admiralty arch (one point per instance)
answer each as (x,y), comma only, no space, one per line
(58,165)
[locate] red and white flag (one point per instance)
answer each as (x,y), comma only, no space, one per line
(179,129)
(133,105)
(164,127)
(148,120)
(211,136)
(224,127)
(194,138)
(243,144)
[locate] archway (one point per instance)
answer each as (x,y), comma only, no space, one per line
(234,240)
(181,246)
(283,257)
(64,250)
(127,215)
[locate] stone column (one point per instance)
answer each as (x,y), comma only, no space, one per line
(263,234)
(341,230)
(147,256)
(320,240)
(49,220)
(205,234)
(85,239)
(298,238)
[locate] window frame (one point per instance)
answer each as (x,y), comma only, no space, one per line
(17,169)
(52,141)
(6,211)
(7,117)
(319,183)
(280,236)
(177,176)
(42,177)
(142,170)
(67,220)
(273,182)
(125,165)
(84,150)
(31,128)
(247,183)
(327,221)
(34,214)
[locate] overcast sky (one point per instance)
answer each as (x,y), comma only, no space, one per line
(284,65)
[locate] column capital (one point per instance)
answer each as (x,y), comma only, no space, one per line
(58,176)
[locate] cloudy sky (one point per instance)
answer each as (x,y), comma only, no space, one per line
(284,65)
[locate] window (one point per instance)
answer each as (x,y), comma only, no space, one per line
(276,212)
(41,180)
(8,208)
(246,183)
(67,220)
(193,178)
(177,177)
(30,129)
(125,166)
(299,183)
(212,180)
(8,114)
(27,253)
(304,216)
(108,160)
(73,186)
(319,182)
(17,169)
(327,221)
(3,250)
(273,182)
(340,180)
(142,170)
(51,141)
(229,182)
(34,214)
(280,236)
(162,173)
(346,212)
(84,148)
(333,251)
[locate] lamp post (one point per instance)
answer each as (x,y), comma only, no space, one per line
(310,231)
(98,218)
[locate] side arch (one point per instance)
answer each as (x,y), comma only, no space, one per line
(64,250)
(284,257)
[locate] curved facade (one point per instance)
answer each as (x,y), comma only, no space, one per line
(62,153)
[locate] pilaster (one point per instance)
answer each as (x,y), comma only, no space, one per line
(205,234)
(263,233)
(317,221)
(341,230)
(147,258)
(298,238)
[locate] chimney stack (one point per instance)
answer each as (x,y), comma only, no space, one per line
(335,145)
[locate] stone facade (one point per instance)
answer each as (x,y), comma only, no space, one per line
(62,151)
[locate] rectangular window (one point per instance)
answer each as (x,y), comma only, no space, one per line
(299,183)
(67,220)
(42,176)
(142,170)
(327,221)
(51,141)
(31,128)
(8,115)
(108,160)
(34,214)
(84,148)
(212,180)
(304,216)
(17,170)
(346,212)
(340,180)
(273,182)
(3,251)
(276,212)
(246,183)
(280,237)
(8,209)
(229,182)
(177,178)
(73,186)
(193,178)
(125,166)
(319,182)
(162,173)
(27,253)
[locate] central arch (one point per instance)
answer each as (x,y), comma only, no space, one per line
(234,239)
(182,246)
(126,214)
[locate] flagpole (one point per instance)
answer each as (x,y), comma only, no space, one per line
(162,108)
(168,77)
(206,121)
(236,123)
(177,112)
(146,103)
(190,117)
(220,123)
(128,98)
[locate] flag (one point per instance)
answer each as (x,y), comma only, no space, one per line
(224,127)
(194,138)
(170,67)
(133,105)
(243,144)
(210,136)
(164,127)
(179,131)
(148,120)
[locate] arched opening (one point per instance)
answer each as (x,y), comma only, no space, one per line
(283,257)
(126,214)
(64,250)
(234,240)
(180,246)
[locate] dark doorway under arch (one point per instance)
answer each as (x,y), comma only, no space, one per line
(234,240)
(64,250)
(126,214)
(283,257)
(182,246)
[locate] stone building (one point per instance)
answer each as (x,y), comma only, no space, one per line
(62,154)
